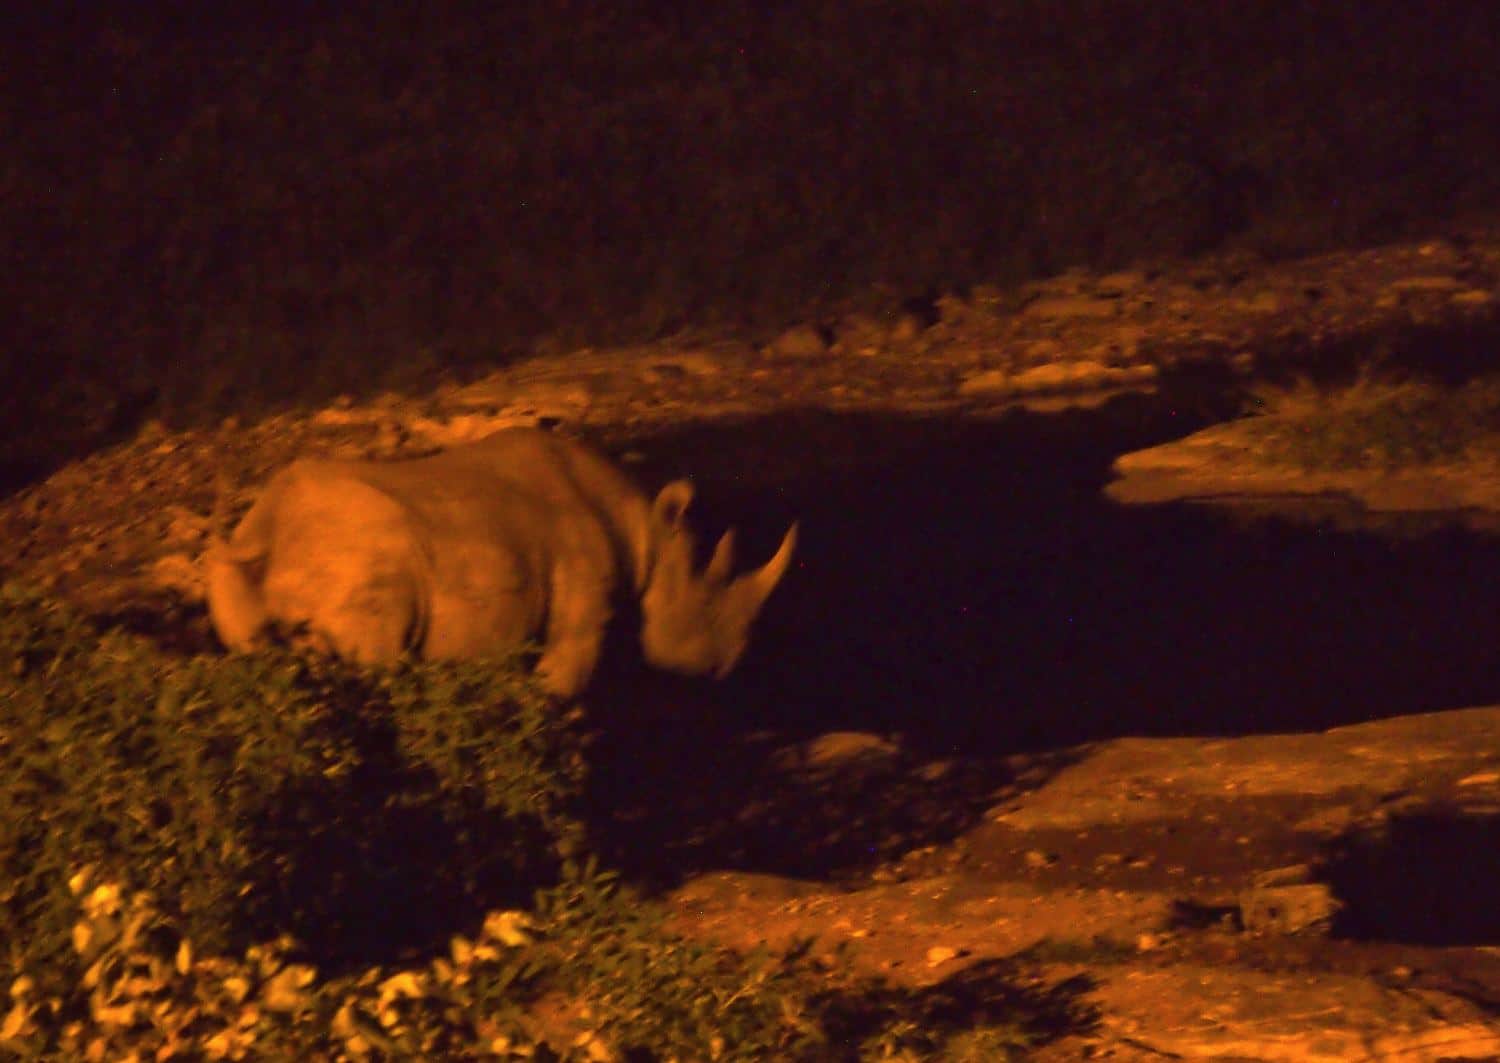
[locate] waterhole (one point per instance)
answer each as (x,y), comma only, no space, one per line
(967,585)
(964,591)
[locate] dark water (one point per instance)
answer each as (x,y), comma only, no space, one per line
(967,585)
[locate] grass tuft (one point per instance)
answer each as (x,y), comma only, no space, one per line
(1378,421)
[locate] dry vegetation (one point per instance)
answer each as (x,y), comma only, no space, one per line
(1378,421)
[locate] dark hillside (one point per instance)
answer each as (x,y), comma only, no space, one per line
(205,212)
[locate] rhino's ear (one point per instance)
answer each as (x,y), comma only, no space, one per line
(671,503)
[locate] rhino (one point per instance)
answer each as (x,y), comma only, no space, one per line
(476,551)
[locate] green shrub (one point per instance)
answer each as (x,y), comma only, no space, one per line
(133,985)
(651,991)
(261,857)
(267,793)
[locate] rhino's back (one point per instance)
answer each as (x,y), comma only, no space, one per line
(578,479)
(567,475)
(494,524)
(535,489)
(562,470)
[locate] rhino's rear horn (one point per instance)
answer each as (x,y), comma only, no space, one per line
(755,587)
(722,563)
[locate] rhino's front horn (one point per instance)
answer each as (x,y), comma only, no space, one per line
(757,586)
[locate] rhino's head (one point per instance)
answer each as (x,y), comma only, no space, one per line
(698,623)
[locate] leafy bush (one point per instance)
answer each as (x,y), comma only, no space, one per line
(133,985)
(592,973)
(261,857)
(267,793)
(648,990)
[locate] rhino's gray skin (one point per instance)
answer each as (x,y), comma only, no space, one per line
(474,551)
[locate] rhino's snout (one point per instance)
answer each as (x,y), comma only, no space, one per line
(689,655)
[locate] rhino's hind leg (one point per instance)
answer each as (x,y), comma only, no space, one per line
(344,567)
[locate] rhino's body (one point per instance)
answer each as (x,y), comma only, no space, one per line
(475,551)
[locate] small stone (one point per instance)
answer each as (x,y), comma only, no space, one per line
(905,328)
(935,771)
(1127,339)
(986,381)
(1081,373)
(1266,302)
(841,747)
(1290,875)
(1072,307)
(1431,282)
(1285,901)
(1473,297)
(1068,282)
(177,572)
(185,526)
(389,437)
(1037,859)
(940,954)
(951,309)
(344,416)
(858,332)
(287,991)
(986,297)
(799,341)
(1120,282)
(1058,375)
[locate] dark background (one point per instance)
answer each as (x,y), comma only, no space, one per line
(205,212)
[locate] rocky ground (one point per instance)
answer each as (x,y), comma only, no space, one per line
(1162,898)
(1180,891)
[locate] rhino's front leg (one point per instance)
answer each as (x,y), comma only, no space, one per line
(576,621)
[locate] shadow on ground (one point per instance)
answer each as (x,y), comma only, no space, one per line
(1426,876)
(991,995)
